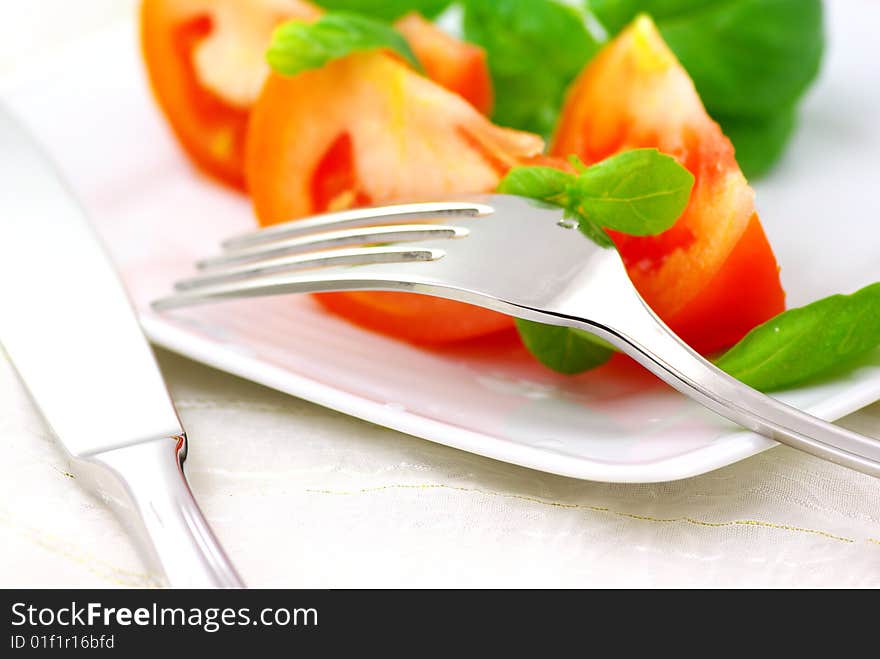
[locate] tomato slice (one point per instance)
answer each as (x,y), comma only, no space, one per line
(459,66)
(206,64)
(414,318)
(713,276)
(205,61)
(368,129)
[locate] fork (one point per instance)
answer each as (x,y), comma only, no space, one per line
(512,255)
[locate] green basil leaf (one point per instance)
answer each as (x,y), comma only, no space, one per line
(543,183)
(552,186)
(535,48)
(590,229)
(563,349)
(298,46)
(617,14)
(759,141)
(750,57)
(387,9)
(640,192)
(802,343)
(751,60)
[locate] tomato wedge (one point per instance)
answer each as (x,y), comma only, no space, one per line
(457,65)
(712,276)
(206,64)
(368,129)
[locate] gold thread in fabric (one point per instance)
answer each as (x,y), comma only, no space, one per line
(599,509)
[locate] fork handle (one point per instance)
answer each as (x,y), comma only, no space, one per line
(655,346)
(146,487)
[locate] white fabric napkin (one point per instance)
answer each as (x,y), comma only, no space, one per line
(302,496)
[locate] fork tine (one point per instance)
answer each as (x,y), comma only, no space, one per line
(256,287)
(311,261)
(360,217)
(332,239)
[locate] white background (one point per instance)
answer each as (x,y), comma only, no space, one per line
(302,496)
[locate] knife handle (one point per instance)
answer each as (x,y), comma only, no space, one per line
(145,485)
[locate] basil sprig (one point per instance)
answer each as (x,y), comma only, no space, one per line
(298,46)
(641,192)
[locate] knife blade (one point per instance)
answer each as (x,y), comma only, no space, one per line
(65,319)
(71,334)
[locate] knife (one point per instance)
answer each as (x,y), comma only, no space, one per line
(70,331)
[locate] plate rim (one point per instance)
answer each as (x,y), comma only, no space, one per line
(727,449)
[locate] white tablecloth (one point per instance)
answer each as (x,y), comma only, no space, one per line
(302,496)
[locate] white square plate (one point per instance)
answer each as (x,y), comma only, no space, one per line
(91,107)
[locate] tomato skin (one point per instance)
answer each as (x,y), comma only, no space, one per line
(728,306)
(457,65)
(367,129)
(211,129)
(712,276)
